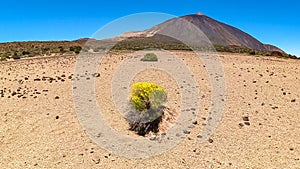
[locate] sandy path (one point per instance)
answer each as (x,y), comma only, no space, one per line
(39,128)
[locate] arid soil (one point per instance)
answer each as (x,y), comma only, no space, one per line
(259,127)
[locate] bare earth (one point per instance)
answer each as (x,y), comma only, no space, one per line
(259,128)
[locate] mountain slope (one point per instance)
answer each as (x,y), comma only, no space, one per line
(217,32)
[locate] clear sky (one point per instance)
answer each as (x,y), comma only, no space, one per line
(274,22)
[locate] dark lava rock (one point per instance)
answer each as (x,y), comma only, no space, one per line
(56,97)
(186,131)
(247,123)
(96,74)
(293,101)
(241,124)
(210,140)
(246,118)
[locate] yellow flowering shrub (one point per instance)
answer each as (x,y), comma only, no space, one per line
(146,95)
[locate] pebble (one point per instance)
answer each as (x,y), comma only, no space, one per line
(246,118)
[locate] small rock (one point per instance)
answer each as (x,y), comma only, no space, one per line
(56,97)
(186,131)
(246,118)
(96,74)
(210,140)
(247,123)
(152,138)
(241,125)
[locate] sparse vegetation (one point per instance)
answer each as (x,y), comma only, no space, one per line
(59,48)
(149,57)
(18,50)
(147,100)
(75,49)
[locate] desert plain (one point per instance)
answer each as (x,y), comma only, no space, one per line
(259,127)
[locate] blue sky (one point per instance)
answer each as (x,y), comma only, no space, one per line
(273,22)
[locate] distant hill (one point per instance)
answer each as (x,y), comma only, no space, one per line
(16,50)
(174,34)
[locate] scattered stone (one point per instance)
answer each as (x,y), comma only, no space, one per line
(293,101)
(210,140)
(97,161)
(96,74)
(57,117)
(56,97)
(246,118)
(186,131)
(152,138)
(247,123)
(241,125)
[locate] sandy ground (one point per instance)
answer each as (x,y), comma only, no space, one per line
(259,128)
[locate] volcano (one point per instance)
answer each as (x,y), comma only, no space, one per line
(217,32)
(212,32)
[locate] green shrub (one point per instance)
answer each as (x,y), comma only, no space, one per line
(147,95)
(2,59)
(16,56)
(5,55)
(149,57)
(25,53)
(75,49)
